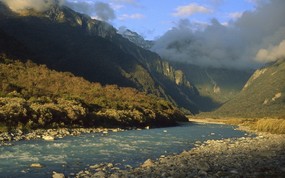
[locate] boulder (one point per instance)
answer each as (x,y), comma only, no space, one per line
(48,138)
(96,166)
(36,165)
(110,165)
(147,163)
(203,166)
(100,174)
(57,175)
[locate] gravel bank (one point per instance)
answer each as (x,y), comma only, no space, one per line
(7,138)
(262,156)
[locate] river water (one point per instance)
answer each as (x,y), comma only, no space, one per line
(71,154)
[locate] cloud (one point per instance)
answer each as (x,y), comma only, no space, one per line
(131,16)
(119,4)
(131,2)
(235,15)
(104,12)
(258,2)
(188,10)
(37,5)
(217,2)
(272,53)
(99,10)
(81,6)
(254,38)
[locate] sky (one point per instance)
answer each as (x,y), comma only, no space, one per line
(152,18)
(215,33)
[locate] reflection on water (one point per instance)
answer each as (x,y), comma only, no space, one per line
(72,154)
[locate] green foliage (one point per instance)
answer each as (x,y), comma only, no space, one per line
(32,96)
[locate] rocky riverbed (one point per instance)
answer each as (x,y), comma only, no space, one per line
(261,156)
(7,138)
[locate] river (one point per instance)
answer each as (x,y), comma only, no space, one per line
(71,154)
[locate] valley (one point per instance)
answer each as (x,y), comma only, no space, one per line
(80,97)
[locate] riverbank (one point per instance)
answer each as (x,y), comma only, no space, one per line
(268,125)
(7,138)
(260,156)
(205,120)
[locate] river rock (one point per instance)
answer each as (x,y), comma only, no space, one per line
(234,171)
(110,165)
(36,165)
(128,167)
(96,166)
(203,166)
(147,163)
(202,173)
(57,175)
(48,138)
(114,176)
(100,174)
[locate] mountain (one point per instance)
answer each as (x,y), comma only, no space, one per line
(136,38)
(262,96)
(65,40)
(33,96)
(219,84)
(214,85)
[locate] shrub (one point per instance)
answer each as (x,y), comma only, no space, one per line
(271,125)
(35,97)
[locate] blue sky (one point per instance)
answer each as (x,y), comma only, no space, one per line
(245,33)
(152,18)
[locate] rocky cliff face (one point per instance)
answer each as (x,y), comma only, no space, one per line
(220,84)
(136,38)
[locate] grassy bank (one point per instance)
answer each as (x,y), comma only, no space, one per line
(270,125)
(275,126)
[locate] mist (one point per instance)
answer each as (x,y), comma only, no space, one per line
(255,38)
(98,10)
(37,5)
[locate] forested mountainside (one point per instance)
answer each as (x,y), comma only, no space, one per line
(32,96)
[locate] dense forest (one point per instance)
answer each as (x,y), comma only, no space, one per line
(33,96)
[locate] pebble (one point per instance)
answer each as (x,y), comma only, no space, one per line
(49,134)
(36,165)
(234,171)
(244,157)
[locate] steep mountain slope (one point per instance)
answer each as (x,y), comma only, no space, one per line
(68,41)
(262,96)
(219,84)
(136,38)
(214,85)
(32,96)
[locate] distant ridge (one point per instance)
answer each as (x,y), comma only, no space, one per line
(262,96)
